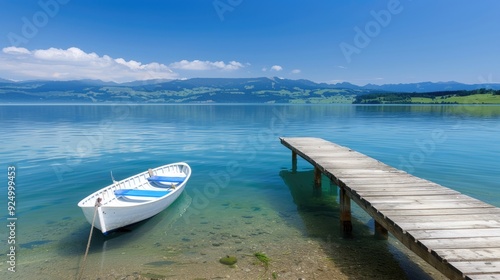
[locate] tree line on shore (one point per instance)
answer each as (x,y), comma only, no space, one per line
(409,97)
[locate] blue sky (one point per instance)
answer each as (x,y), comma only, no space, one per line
(361,42)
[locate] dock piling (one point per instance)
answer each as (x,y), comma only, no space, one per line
(317,178)
(380,231)
(294,161)
(345,211)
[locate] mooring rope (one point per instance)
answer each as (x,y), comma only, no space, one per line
(97,205)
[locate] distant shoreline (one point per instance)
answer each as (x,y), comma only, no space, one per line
(64,103)
(242,91)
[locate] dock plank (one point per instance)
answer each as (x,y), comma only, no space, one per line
(483,277)
(431,205)
(405,192)
(409,226)
(436,218)
(414,199)
(462,243)
(454,233)
(432,212)
(477,267)
(457,234)
(455,255)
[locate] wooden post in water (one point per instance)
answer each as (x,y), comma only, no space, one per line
(294,162)
(381,232)
(345,211)
(317,178)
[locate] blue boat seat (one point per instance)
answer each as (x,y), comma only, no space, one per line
(145,193)
(166,179)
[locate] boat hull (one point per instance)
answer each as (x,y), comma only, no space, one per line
(116,211)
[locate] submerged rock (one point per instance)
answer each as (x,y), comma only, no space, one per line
(228,260)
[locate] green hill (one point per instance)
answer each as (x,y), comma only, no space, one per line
(480,96)
(245,90)
(221,90)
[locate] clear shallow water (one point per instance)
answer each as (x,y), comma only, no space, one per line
(241,198)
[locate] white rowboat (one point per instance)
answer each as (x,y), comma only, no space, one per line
(136,198)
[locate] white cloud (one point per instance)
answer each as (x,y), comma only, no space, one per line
(132,64)
(74,63)
(264,69)
(69,55)
(206,65)
(276,68)
(296,71)
(15,50)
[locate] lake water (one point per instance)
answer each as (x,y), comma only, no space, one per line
(242,197)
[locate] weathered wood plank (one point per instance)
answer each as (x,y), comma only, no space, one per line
(431,205)
(462,243)
(475,254)
(374,177)
(395,199)
(432,212)
(390,189)
(409,226)
(443,218)
(486,276)
(385,180)
(405,192)
(350,165)
(457,234)
(334,155)
(375,172)
(477,267)
(392,185)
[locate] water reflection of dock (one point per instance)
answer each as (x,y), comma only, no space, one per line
(457,234)
(313,202)
(307,197)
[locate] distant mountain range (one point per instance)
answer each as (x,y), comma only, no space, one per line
(251,90)
(418,87)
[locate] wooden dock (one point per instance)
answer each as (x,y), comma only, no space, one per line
(455,233)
